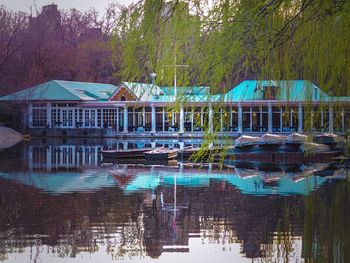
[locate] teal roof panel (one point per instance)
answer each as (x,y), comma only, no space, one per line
(289,90)
(190,90)
(58,90)
(88,90)
(189,98)
(246,91)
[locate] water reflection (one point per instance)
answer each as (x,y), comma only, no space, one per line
(83,212)
(248,182)
(77,153)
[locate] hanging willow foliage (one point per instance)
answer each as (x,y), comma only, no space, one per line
(226,41)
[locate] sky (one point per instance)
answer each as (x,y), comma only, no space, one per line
(24,5)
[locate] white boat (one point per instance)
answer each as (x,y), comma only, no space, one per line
(296,138)
(272,139)
(246,140)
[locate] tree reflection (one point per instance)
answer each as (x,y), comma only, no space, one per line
(148,224)
(327,225)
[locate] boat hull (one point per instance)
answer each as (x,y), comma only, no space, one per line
(124,154)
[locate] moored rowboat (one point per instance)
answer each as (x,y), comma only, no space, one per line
(272,139)
(245,141)
(296,138)
(124,154)
(161,154)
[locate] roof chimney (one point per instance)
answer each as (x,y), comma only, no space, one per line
(152,78)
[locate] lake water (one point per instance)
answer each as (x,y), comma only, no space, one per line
(58,203)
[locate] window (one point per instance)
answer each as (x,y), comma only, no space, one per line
(270,92)
(99,120)
(81,116)
(55,117)
(87,118)
(92,118)
(64,118)
(109,117)
(39,115)
(70,118)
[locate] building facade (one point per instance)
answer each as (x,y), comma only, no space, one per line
(66,108)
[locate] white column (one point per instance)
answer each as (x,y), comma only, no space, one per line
(260,118)
(143,116)
(300,117)
(133,117)
(202,121)
(322,120)
(182,120)
(231,117)
(240,118)
(269,113)
(95,118)
(210,119)
(331,115)
(116,120)
(172,118)
(48,115)
(153,120)
(126,122)
(312,120)
(163,115)
(251,119)
(192,119)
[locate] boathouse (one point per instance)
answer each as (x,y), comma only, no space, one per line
(67,108)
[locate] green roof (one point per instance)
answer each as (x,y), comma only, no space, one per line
(190,90)
(189,98)
(60,90)
(290,90)
(249,90)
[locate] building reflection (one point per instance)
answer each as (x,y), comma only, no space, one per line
(70,154)
(63,157)
(150,222)
(100,212)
